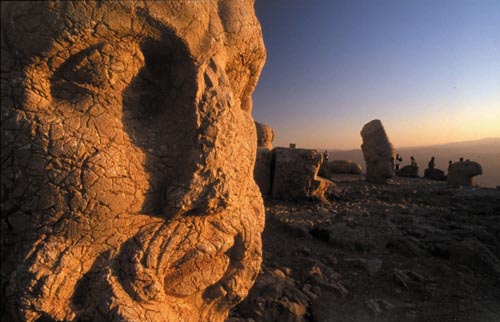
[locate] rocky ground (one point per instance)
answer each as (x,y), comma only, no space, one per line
(412,250)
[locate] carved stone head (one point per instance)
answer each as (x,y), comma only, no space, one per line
(463,173)
(378,152)
(127,159)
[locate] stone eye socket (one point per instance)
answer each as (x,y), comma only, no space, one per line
(82,74)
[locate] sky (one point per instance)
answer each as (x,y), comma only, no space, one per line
(428,69)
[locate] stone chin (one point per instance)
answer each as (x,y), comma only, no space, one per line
(129,190)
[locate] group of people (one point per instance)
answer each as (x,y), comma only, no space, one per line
(430,165)
(399,159)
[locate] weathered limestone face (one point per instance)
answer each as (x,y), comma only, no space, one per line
(295,174)
(378,152)
(463,173)
(265,135)
(127,159)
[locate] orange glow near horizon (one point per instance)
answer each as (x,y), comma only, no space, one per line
(466,124)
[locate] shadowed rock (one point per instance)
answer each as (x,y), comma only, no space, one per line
(377,152)
(127,159)
(409,171)
(435,174)
(344,167)
(262,171)
(295,174)
(463,173)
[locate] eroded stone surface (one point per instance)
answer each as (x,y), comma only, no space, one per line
(127,159)
(463,173)
(265,135)
(378,152)
(295,174)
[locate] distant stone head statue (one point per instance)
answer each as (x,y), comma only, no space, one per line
(378,152)
(265,135)
(127,159)
(463,173)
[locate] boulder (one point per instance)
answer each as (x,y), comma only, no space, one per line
(344,166)
(378,152)
(435,174)
(463,173)
(265,135)
(409,171)
(295,174)
(324,171)
(262,170)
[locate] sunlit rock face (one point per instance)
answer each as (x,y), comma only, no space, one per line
(295,175)
(463,173)
(377,152)
(127,159)
(265,135)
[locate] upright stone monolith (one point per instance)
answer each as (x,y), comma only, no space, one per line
(378,152)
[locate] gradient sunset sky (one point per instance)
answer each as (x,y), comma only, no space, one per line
(429,69)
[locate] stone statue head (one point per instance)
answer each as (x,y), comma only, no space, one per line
(127,158)
(462,173)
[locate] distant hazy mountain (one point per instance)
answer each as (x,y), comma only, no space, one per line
(485,151)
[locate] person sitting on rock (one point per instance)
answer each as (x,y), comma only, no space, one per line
(325,156)
(413,162)
(432,164)
(449,164)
